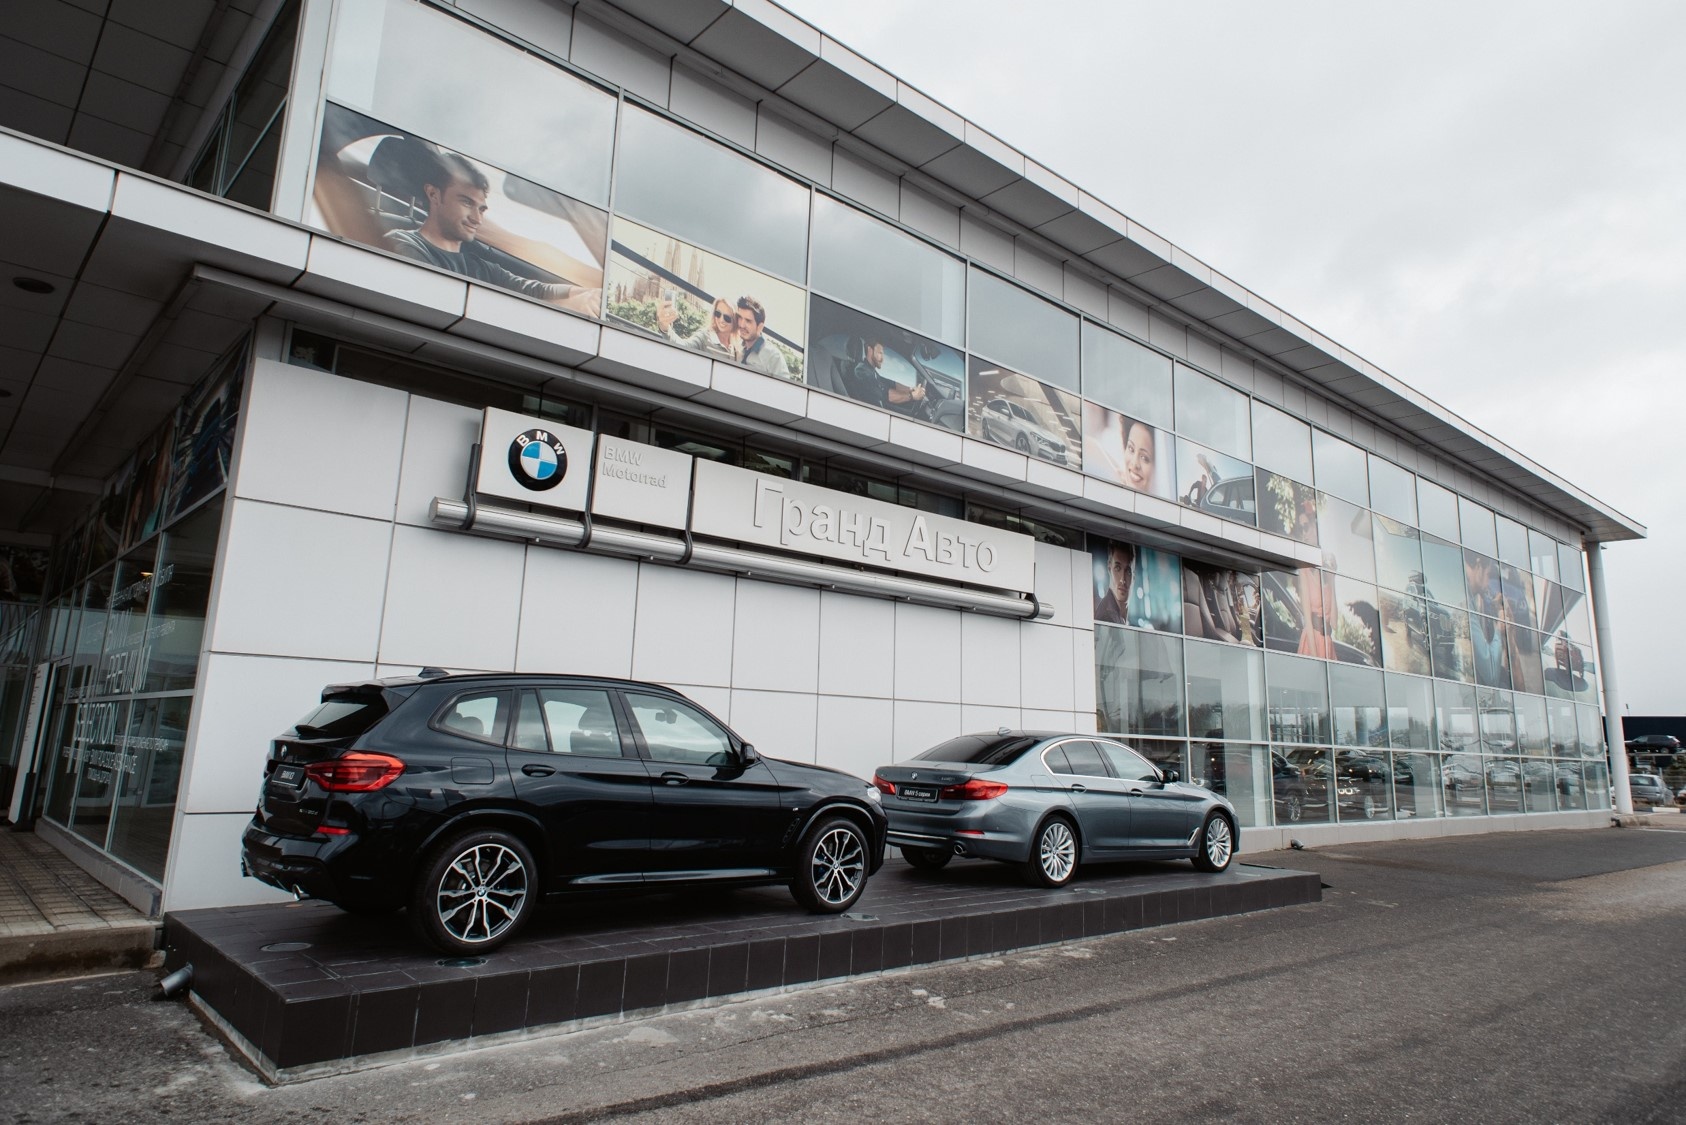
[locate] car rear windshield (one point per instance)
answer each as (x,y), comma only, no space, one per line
(979,749)
(343,716)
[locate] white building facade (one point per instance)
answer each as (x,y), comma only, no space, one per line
(675,341)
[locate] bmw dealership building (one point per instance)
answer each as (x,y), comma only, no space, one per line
(671,339)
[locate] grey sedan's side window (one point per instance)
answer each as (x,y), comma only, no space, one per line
(1085,759)
(1054,758)
(676,732)
(1127,764)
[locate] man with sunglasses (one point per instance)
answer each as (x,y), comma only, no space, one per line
(719,337)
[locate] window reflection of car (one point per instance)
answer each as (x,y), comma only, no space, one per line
(1462,773)
(1008,423)
(1648,789)
(1361,783)
(1295,792)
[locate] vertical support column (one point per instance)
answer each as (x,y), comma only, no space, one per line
(1607,671)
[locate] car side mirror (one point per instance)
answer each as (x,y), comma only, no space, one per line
(748,755)
(1168,776)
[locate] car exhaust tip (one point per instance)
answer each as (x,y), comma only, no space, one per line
(176,983)
(959,848)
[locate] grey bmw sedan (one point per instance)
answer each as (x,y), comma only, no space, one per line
(1047,802)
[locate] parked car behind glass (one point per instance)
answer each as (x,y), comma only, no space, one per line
(1648,789)
(1048,802)
(467,799)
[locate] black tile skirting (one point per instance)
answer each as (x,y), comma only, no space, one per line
(304,989)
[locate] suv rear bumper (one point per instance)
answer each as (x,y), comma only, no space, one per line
(305,867)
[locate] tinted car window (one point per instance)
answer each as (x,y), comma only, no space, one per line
(1085,759)
(1054,758)
(342,716)
(1128,764)
(568,721)
(979,749)
(676,732)
(480,715)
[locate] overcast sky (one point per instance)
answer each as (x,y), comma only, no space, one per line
(1487,200)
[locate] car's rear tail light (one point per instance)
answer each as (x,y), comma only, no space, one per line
(356,772)
(332,830)
(888,788)
(976,789)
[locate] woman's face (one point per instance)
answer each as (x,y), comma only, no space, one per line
(1138,458)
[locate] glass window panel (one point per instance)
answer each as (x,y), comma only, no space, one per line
(690,186)
(1563,721)
(1356,626)
(1127,451)
(1539,785)
(1513,542)
(1490,650)
(1573,787)
(1287,507)
(1221,605)
(149,762)
(1416,785)
(1475,525)
(99,727)
(1410,712)
(1570,567)
(1281,442)
(1504,785)
(1358,706)
(1497,722)
(1344,532)
(512,100)
(1526,671)
(1455,717)
(1301,780)
(1165,756)
(1136,585)
(1449,643)
(1238,772)
(1399,556)
(1138,682)
(1225,692)
(1215,483)
(1298,691)
(1126,376)
(1567,668)
(1037,419)
(1437,510)
(1542,551)
(1404,623)
(181,589)
(1393,490)
(1597,786)
(875,267)
(1363,785)
(1443,571)
(1342,467)
(1516,587)
(1533,736)
(1011,326)
(1213,414)
(1298,607)
(1591,725)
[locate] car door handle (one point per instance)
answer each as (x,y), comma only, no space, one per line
(1079,788)
(537,771)
(675,778)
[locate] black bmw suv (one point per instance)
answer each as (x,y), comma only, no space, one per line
(469,798)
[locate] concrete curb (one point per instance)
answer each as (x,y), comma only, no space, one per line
(37,957)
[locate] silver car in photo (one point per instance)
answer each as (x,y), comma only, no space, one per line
(1048,802)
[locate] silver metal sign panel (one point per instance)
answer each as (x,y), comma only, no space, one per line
(752,507)
(641,483)
(533,461)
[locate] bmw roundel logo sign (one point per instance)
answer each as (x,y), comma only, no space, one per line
(537,460)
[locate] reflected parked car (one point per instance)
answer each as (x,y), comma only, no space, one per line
(1361,784)
(468,799)
(1648,789)
(1048,802)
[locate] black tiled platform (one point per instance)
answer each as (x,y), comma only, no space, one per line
(361,986)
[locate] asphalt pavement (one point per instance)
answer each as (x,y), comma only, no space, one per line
(1519,977)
